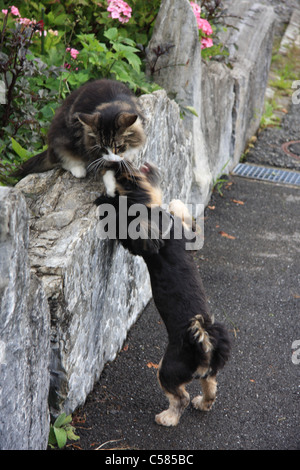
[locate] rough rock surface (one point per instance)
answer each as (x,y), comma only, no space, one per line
(174,61)
(250,48)
(229,99)
(24,335)
(233,97)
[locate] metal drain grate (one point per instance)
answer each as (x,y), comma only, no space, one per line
(274,175)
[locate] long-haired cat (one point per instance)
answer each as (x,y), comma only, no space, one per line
(99,120)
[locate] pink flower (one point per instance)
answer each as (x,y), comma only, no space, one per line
(196,9)
(74,53)
(205,26)
(26,21)
(206,42)
(15,11)
(119,10)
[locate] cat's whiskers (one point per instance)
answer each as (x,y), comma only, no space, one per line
(129,168)
(123,166)
(91,165)
(96,164)
(96,149)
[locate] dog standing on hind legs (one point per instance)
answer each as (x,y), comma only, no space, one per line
(197,345)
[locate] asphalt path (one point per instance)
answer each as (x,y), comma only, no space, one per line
(250,268)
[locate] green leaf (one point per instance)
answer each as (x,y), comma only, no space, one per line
(59,420)
(111,34)
(192,110)
(121,73)
(52,439)
(61,437)
(79,78)
(62,420)
(71,434)
(20,151)
(119,47)
(60,20)
(133,60)
(128,41)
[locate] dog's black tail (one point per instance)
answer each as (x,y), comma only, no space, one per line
(37,164)
(213,338)
(221,346)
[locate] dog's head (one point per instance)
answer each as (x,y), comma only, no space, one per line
(137,202)
(140,186)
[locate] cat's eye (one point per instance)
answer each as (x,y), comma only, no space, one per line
(120,148)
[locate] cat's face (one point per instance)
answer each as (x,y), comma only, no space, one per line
(112,137)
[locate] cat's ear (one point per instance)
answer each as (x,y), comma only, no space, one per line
(90,120)
(124,120)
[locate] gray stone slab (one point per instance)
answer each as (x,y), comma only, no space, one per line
(233,96)
(24,335)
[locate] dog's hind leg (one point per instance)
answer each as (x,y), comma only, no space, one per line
(178,401)
(209,388)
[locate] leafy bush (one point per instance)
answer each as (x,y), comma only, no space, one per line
(48,49)
(30,95)
(117,57)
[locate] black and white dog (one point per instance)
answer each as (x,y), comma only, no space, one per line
(198,346)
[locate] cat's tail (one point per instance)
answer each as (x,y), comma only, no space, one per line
(36,164)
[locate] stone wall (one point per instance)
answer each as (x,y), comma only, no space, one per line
(229,99)
(178,71)
(93,288)
(24,334)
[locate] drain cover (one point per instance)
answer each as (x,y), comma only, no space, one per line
(275,175)
(292,148)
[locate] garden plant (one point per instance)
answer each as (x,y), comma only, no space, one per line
(49,49)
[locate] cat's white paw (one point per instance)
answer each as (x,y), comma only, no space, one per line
(110,183)
(78,171)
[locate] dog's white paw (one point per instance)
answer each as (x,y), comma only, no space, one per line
(167,418)
(200,404)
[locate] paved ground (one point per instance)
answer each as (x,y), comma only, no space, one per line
(253,284)
(268,148)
